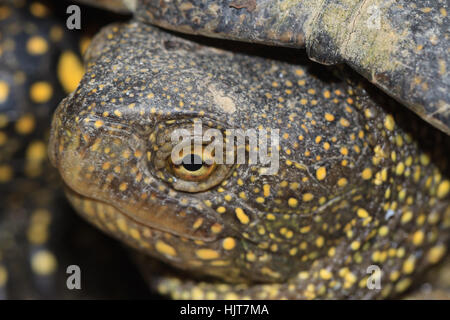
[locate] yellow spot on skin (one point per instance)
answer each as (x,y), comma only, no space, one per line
(98,123)
(321,173)
(308,197)
(331,251)
(243,218)
(400,168)
(197,294)
(216,228)
(292,202)
(305,229)
(4,91)
(355,245)
(384,230)
(135,234)
(41,92)
(418,237)
(121,223)
(362,213)
(221,209)
(406,217)
(436,253)
(320,241)
(443,189)
(344,122)
(325,274)
(165,249)
(342,182)
(329,117)
(366,174)
(425,159)
(229,243)
(266,190)
(389,122)
(259,199)
(250,256)
(197,223)
(123,186)
(402,285)
(106,166)
(299,72)
(70,71)
(43,263)
(37,45)
(207,254)
(25,124)
(231,296)
(409,265)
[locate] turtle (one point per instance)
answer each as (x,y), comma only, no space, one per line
(357,208)
(362,183)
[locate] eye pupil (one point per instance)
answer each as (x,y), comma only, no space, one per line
(192,162)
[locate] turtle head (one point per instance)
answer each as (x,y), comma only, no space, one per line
(308,200)
(115,139)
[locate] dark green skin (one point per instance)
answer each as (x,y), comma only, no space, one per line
(35,217)
(369,189)
(400,46)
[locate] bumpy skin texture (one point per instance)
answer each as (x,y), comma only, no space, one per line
(401,46)
(361,181)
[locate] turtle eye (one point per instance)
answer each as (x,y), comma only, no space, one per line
(188,166)
(192,167)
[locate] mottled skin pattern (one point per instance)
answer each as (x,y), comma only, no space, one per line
(401,46)
(39,234)
(361,180)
